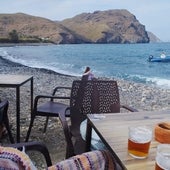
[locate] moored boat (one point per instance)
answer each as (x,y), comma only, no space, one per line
(158,59)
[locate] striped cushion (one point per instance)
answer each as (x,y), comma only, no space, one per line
(13,159)
(94,160)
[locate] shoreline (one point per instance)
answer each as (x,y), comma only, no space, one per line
(24,44)
(148,79)
(144,91)
(8,63)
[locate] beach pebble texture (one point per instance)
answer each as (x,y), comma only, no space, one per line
(139,96)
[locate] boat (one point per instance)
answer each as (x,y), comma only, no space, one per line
(158,59)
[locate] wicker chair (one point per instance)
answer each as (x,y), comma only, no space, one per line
(88,97)
(4,118)
(48,106)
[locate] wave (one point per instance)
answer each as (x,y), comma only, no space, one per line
(3,52)
(60,68)
(163,83)
(156,81)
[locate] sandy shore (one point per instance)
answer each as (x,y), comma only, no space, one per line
(136,95)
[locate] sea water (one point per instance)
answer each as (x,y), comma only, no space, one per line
(124,61)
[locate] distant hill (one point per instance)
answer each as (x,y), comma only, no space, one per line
(35,28)
(111,26)
(153,38)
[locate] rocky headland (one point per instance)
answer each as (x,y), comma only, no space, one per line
(111,26)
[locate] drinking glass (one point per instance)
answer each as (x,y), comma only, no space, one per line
(139,141)
(163,157)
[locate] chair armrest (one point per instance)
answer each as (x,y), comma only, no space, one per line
(60,88)
(3,103)
(67,109)
(50,97)
(129,108)
(37,98)
(34,146)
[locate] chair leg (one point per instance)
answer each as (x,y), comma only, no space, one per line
(6,123)
(29,129)
(69,152)
(46,123)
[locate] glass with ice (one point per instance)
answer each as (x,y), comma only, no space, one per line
(139,141)
(163,157)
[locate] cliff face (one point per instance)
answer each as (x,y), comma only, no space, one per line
(112,26)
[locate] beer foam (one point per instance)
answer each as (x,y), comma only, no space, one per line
(140,134)
(163,160)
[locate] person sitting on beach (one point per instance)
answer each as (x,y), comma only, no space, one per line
(163,55)
(87,75)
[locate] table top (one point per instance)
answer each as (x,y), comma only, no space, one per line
(9,80)
(113,131)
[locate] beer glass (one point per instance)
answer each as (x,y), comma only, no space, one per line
(163,157)
(139,141)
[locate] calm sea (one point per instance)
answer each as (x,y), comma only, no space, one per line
(125,61)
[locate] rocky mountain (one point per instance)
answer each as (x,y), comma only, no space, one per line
(112,26)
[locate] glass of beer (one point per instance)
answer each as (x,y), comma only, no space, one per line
(139,141)
(163,157)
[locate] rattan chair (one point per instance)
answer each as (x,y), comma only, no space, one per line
(4,118)
(48,106)
(88,97)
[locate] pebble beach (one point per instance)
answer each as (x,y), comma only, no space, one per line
(139,96)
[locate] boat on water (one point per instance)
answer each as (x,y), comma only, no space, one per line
(159,59)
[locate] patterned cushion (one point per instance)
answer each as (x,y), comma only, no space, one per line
(94,160)
(13,159)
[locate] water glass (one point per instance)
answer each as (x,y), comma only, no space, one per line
(139,141)
(163,157)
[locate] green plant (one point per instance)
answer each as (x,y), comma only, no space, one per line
(13,35)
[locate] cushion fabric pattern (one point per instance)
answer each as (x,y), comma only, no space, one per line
(93,160)
(13,159)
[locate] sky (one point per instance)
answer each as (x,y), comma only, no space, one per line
(154,14)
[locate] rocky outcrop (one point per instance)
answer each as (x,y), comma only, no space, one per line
(112,26)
